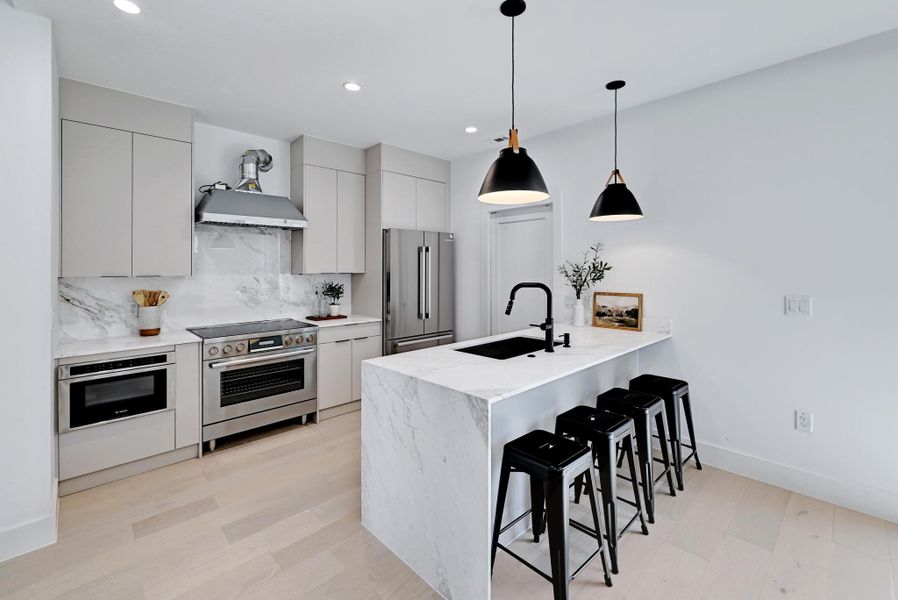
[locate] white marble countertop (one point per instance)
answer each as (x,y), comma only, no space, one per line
(350,320)
(69,348)
(494,380)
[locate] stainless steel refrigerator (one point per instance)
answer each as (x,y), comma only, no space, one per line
(419,289)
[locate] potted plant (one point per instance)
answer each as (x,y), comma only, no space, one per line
(334,291)
(582,275)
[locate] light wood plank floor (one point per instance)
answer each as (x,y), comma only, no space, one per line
(277,516)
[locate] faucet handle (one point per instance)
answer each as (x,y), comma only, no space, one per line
(540,325)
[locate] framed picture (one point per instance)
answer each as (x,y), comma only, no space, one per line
(616,310)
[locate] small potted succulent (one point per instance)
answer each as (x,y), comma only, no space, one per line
(334,291)
(582,275)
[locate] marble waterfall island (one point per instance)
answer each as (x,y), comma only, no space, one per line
(433,426)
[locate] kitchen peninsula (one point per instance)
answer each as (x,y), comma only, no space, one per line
(434,423)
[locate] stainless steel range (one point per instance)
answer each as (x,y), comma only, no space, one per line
(257,373)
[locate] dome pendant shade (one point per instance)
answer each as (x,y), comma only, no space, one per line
(616,203)
(513,179)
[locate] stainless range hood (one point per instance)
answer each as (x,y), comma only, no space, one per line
(245,204)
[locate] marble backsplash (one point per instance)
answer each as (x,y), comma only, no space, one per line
(239,274)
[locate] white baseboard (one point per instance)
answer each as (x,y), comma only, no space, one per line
(842,493)
(30,536)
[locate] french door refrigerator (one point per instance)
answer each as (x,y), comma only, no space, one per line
(418,289)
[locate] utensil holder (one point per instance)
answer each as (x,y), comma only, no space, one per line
(149,320)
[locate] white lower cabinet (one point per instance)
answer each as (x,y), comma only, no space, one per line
(334,374)
(362,349)
(340,355)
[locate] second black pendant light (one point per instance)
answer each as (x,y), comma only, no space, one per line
(616,202)
(513,178)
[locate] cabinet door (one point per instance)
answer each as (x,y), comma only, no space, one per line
(96,201)
(350,223)
(362,349)
(162,206)
(334,374)
(432,205)
(398,201)
(319,205)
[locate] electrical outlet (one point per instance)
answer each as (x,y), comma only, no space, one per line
(804,421)
(409,417)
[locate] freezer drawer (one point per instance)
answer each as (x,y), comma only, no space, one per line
(408,345)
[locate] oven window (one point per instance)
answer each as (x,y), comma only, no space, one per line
(98,400)
(252,383)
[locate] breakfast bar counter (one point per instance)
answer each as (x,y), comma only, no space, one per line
(434,423)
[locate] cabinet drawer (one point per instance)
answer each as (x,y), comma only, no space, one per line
(96,448)
(348,332)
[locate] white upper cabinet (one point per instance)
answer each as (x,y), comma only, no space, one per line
(126,199)
(350,222)
(96,201)
(327,183)
(162,224)
(432,205)
(398,204)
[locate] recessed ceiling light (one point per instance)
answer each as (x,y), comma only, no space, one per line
(127,6)
(352,86)
(470,129)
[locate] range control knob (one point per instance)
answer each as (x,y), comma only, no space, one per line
(241,347)
(309,338)
(213,351)
(227,349)
(288,341)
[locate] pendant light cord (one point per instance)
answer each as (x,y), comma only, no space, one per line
(512,72)
(615,136)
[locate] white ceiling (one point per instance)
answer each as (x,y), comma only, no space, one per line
(275,67)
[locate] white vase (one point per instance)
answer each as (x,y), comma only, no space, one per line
(579,313)
(334,310)
(149,320)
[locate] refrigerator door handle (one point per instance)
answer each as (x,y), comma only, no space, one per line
(429,290)
(421,277)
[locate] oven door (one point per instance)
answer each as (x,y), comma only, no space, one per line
(242,386)
(95,399)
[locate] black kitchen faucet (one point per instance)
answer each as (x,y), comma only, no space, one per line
(548,326)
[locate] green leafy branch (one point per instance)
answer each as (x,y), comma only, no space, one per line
(581,275)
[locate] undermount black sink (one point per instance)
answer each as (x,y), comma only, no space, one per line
(507,348)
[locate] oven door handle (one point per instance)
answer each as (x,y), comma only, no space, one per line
(225,364)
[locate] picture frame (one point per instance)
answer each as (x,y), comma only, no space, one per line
(617,310)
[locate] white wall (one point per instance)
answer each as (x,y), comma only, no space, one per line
(28,168)
(216,156)
(776,182)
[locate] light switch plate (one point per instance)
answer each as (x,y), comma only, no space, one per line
(798,306)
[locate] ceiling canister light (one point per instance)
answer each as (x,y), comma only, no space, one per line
(616,202)
(127,6)
(513,178)
(351,86)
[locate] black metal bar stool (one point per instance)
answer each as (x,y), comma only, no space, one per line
(675,394)
(605,431)
(552,462)
(643,408)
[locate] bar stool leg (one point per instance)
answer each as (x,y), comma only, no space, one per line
(557,518)
(537,506)
(646,467)
(500,507)
(628,450)
(687,408)
(661,424)
(593,504)
(671,406)
(605,457)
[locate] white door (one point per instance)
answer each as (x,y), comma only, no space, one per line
(397,204)
(432,206)
(319,206)
(520,250)
(334,374)
(350,223)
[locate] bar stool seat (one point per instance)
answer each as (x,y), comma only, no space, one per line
(605,432)
(675,393)
(553,463)
(643,408)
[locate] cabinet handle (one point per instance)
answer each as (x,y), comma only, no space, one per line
(342,341)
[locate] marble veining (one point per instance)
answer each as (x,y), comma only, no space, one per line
(239,274)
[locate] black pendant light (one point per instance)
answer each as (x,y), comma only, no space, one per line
(513,178)
(616,202)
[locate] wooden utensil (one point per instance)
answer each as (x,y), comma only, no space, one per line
(163,297)
(139,297)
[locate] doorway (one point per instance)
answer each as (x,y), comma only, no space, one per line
(520,249)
